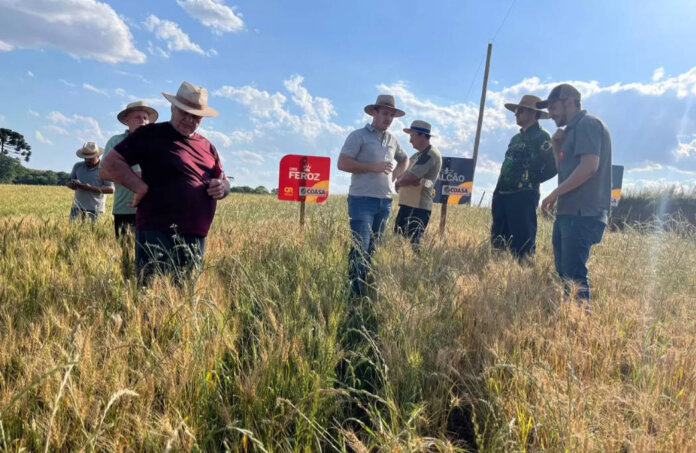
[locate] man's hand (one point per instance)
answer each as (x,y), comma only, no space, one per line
(138,196)
(549,202)
(72,184)
(383,167)
(218,188)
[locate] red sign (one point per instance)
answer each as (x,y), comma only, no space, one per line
(304,178)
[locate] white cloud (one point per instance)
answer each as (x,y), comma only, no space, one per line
(685,149)
(170,32)
(82,28)
(67,84)
(226,140)
(214,14)
(248,157)
(42,139)
(158,103)
(30,74)
(316,111)
(85,128)
(658,74)
(33,113)
(94,89)
(648,166)
(2,117)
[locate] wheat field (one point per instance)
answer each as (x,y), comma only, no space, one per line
(458,349)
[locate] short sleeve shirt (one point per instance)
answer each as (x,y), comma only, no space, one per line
(122,196)
(85,199)
(426,165)
(177,170)
(586,134)
(528,161)
(369,145)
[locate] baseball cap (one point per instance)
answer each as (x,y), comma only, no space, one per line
(562,91)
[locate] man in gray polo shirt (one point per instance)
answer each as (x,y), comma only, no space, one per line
(90,189)
(583,157)
(369,154)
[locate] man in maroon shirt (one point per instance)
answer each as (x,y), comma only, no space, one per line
(182,179)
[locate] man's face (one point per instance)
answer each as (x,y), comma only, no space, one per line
(137,118)
(525,117)
(92,161)
(419,141)
(558,110)
(382,118)
(184,122)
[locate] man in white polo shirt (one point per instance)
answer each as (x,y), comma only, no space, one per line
(369,154)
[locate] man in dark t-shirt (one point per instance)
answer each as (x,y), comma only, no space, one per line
(582,152)
(182,179)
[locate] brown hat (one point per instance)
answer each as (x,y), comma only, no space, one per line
(419,126)
(192,99)
(528,101)
(562,91)
(384,100)
(89,150)
(137,105)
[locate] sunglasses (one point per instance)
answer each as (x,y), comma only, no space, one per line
(521,110)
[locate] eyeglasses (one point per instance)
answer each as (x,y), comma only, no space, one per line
(521,110)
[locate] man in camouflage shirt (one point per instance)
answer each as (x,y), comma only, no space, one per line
(415,186)
(528,163)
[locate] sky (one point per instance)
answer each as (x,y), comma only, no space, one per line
(293,77)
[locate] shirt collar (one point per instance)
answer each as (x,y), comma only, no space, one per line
(371,128)
(578,116)
(531,128)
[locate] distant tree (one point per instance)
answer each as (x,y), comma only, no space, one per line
(13,142)
(261,190)
(275,191)
(9,169)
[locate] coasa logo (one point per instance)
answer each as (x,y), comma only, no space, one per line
(306,173)
(313,192)
(455,190)
(448,175)
(288,191)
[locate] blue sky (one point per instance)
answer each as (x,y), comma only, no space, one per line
(293,77)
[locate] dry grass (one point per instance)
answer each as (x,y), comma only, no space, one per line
(246,359)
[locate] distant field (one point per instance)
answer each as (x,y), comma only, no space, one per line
(470,345)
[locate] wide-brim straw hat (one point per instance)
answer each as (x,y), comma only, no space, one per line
(137,105)
(192,99)
(529,101)
(419,126)
(384,100)
(89,150)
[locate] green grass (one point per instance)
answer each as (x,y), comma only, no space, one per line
(247,359)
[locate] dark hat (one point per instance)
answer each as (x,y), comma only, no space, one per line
(562,91)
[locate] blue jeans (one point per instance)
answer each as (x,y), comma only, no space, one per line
(83,214)
(368,219)
(515,222)
(167,253)
(573,236)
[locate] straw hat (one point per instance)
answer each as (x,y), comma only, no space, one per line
(89,150)
(192,99)
(419,126)
(137,105)
(528,101)
(384,100)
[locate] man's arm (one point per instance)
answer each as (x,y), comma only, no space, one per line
(400,169)
(106,188)
(115,168)
(589,163)
(219,188)
(351,165)
(407,179)
(556,142)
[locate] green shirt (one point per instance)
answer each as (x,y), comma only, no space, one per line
(122,196)
(528,161)
(426,165)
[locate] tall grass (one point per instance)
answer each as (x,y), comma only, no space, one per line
(468,343)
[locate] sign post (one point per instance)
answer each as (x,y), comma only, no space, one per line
(616,182)
(454,185)
(304,179)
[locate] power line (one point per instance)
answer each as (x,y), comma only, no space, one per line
(503,22)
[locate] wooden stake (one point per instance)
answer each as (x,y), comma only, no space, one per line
(302,210)
(443,217)
(481,106)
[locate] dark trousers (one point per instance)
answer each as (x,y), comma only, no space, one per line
(573,236)
(83,214)
(159,252)
(515,222)
(123,223)
(411,223)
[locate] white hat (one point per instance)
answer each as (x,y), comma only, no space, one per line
(89,150)
(137,105)
(192,99)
